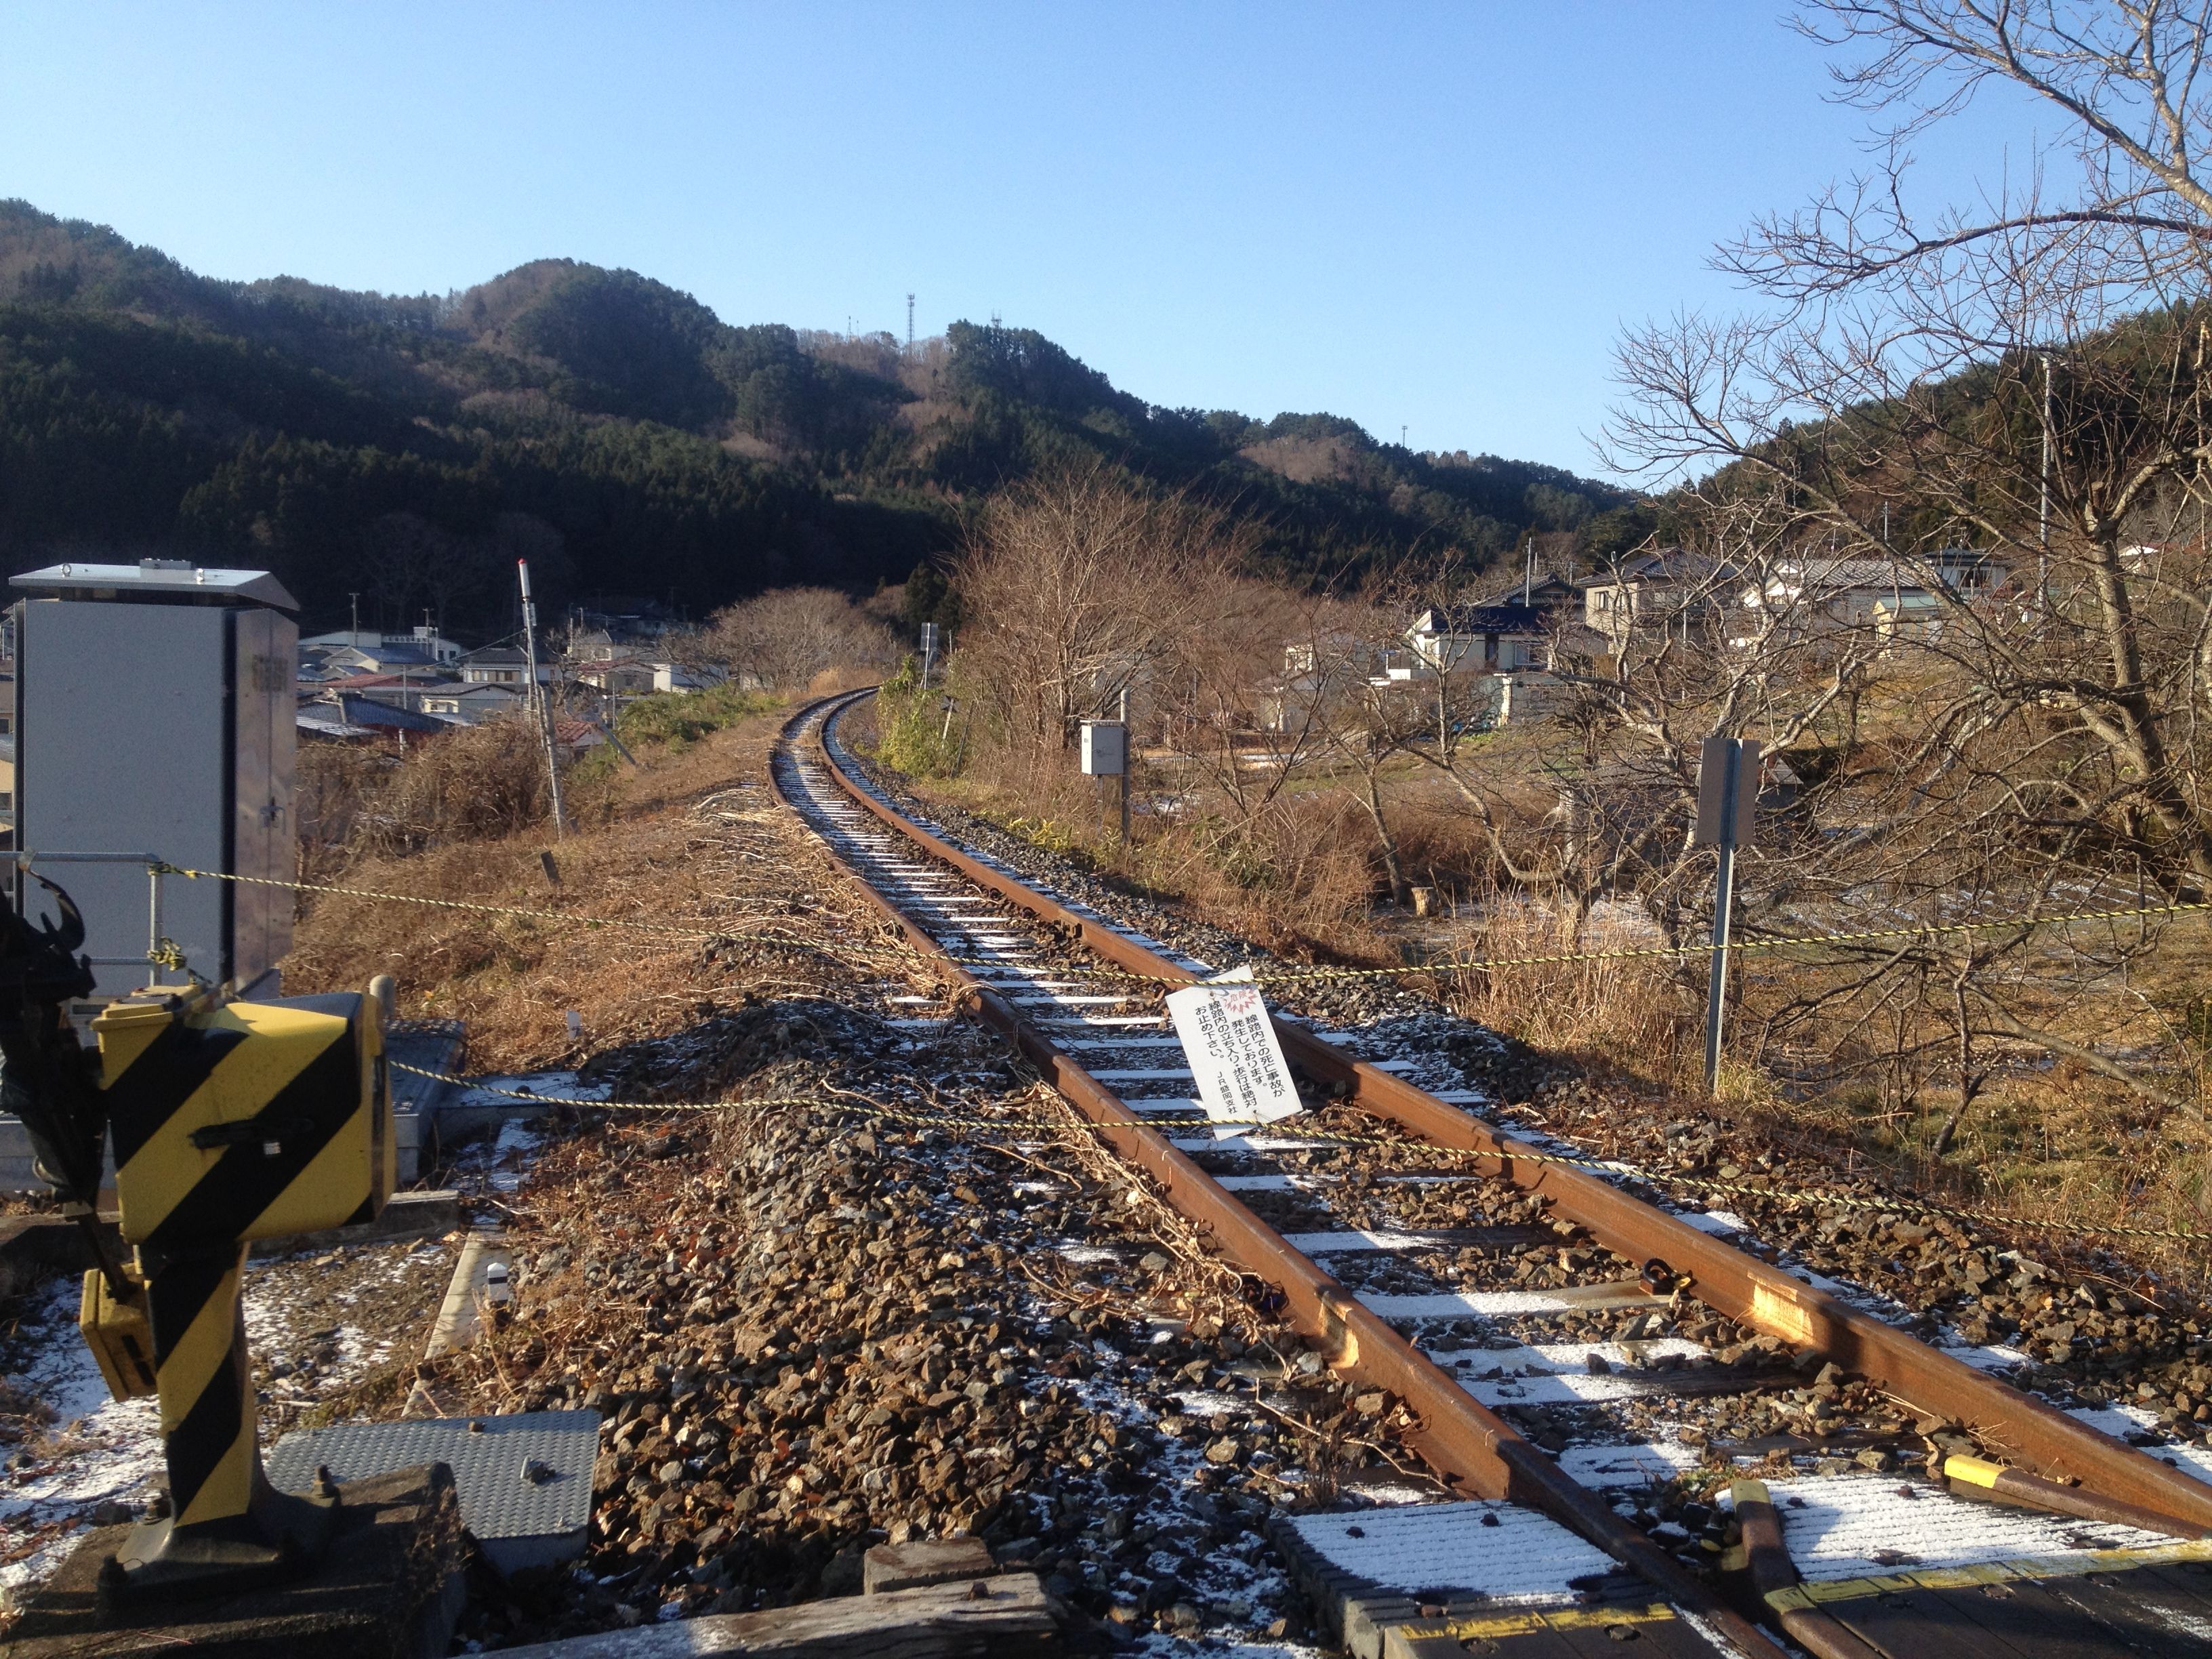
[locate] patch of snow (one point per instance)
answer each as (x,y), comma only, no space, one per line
(97,1450)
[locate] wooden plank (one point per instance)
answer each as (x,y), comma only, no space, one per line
(890,1567)
(2038,1617)
(1522,1639)
(2147,1616)
(1580,1633)
(1914,1623)
(1002,1618)
(1655,1638)
(2186,1582)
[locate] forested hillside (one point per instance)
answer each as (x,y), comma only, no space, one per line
(620,434)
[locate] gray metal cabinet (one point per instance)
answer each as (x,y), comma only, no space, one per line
(164,728)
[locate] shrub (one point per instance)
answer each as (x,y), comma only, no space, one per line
(914,735)
(675,719)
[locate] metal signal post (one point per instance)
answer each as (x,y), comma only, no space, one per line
(1728,787)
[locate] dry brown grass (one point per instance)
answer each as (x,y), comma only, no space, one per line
(1630,1012)
(2057,1145)
(1296,877)
(478,783)
(645,852)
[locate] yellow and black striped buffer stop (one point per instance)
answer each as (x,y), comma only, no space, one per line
(245,1119)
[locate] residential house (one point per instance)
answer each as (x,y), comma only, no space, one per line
(626,676)
(1897,597)
(434,645)
(472,704)
(625,619)
(1666,589)
(501,664)
(574,737)
(404,658)
(1480,638)
(592,645)
(356,708)
(1555,596)
(321,723)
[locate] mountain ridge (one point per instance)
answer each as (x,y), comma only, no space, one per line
(625,433)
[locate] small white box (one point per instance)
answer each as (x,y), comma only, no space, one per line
(1105,749)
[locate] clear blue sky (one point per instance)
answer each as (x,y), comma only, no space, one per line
(1437,216)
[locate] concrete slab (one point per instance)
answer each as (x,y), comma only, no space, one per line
(1853,1526)
(406,1215)
(1366,1572)
(428,1045)
(1503,1552)
(17,1173)
(484,1260)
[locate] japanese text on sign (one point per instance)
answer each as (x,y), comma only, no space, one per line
(1234,1056)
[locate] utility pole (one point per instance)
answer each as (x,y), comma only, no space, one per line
(2043,518)
(1528,570)
(541,704)
(356,598)
(1125,766)
(1728,787)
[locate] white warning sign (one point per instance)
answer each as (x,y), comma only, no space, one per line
(1233,1053)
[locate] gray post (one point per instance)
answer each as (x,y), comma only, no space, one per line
(928,652)
(154,919)
(540,704)
(1128,760)
(1728,784)
(1717,987)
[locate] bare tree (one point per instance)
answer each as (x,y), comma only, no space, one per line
(1243,691)
(783,640)
(2006,407)
(1073,584)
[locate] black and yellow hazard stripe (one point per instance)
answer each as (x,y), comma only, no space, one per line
(206,1385)
(232,1122)
(243,1121)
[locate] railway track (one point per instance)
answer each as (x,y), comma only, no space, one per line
(1563,1346)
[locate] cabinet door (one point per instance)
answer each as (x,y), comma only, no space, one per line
(264,667)
(123,746)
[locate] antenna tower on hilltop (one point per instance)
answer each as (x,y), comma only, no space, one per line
(910,322)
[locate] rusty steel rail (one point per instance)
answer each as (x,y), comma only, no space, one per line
(1468,1445)
(1728,1280)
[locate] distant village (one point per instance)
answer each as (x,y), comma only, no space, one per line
(1522,645)
(356,685)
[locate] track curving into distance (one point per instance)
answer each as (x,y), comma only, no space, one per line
(1444,1316)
